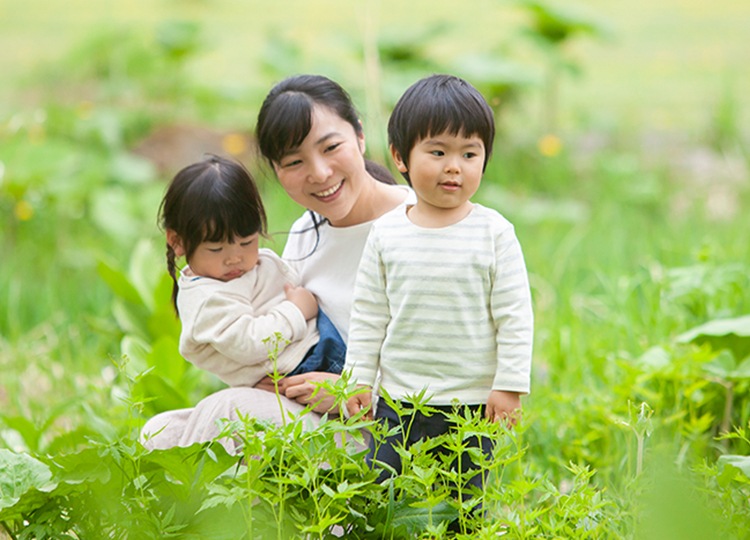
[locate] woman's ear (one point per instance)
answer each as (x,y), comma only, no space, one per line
(175,242)
(400,163)
(361,138)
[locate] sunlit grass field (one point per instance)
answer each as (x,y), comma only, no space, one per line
(629,190)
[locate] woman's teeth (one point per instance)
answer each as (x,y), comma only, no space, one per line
(329,191)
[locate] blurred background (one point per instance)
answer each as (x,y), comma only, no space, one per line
(622,159)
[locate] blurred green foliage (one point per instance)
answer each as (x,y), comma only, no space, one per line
(638,261)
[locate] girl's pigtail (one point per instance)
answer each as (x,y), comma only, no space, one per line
(172,269)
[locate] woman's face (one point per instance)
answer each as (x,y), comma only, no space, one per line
(326,173)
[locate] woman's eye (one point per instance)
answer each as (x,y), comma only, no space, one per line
(332,147)
(290,163)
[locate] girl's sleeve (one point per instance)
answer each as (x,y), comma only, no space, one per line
(369,317)
(510,302)
(233,328)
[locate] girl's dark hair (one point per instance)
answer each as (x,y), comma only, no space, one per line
(440,104)
(214,200)
(285,119)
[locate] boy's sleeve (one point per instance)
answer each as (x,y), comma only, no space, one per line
(369,317)
(511,307)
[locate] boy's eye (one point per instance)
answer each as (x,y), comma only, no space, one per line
(470,155)
(214,249)
(246,243)
(437,152)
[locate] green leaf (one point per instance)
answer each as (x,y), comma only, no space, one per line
(145,261)
(21,474)
(119,283)
(739,326)
(742,463)
(194,465)
(743,370)
(722,366)
(166,360)
(732,334)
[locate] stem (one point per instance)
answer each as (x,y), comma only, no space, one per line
(8,531)
(639,456)
(373,75)
(726,421)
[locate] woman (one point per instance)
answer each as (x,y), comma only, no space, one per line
(309,132)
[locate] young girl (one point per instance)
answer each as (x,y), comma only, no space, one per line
(233,297)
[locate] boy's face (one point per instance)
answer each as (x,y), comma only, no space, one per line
(445,170)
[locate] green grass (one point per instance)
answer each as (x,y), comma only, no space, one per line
(634,233)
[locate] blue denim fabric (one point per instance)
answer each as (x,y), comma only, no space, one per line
(329,354)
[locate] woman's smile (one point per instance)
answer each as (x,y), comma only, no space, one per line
(327,193)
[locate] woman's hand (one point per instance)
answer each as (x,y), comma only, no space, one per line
(301,388)
(362,400)
(503,406)
(303,299)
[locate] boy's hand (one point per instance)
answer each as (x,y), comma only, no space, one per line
(503,406)
(361,401)
(303,299)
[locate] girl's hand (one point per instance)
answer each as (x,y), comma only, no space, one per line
(303,299)
(503,406)
(361,401)
(301,387)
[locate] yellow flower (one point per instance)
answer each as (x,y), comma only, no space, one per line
(234,143)
(85,109)
(549,145)
(23,210)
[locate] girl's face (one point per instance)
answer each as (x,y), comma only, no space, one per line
(326,173)
(224,261)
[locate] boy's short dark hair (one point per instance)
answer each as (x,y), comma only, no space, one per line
(439,104)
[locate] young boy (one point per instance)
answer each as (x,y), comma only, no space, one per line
(442,298)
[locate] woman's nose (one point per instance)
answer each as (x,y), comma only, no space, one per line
(320,170)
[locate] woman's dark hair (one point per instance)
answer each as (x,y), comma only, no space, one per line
(214,200)
(285,119)
(440,104)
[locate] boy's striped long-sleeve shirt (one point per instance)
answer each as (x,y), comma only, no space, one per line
(446,309)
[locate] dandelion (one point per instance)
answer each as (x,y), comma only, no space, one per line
(234,143)
(549,145)
(23,210)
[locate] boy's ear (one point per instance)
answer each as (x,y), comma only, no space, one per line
(175,242)
(400,164)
